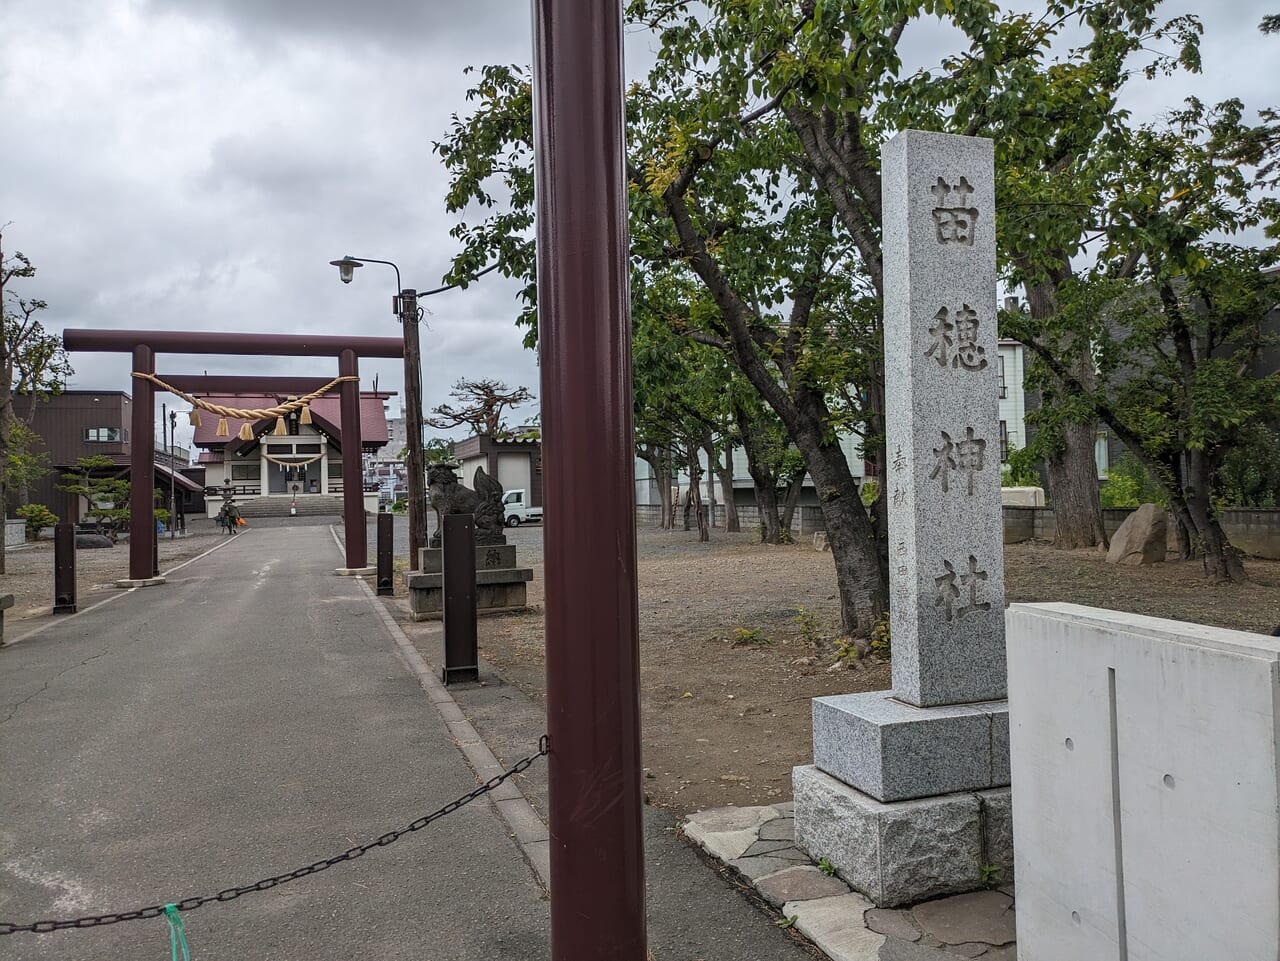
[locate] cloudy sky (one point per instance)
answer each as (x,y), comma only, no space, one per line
(196,164)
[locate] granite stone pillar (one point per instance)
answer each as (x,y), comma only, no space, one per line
(930,757)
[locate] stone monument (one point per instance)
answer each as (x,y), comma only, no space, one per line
(500,584)
(908,796)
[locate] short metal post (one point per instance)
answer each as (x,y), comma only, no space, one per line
(458,542)
(386,584)
(64,568)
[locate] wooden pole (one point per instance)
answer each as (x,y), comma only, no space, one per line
(354,534)
(142,472)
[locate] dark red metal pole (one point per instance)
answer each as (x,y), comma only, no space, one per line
(458,554)
(593,697)
(353,528)
(142,470)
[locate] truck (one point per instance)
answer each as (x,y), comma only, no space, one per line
(517,510)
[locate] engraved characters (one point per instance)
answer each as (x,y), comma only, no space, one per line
(954,223)
(949,594)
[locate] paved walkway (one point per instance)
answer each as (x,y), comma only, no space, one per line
(254,715)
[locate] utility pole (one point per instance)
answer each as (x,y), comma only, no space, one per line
(417,479)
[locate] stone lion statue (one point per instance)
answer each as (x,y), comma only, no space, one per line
(448,496)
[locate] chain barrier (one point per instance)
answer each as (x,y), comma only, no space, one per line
(230,894)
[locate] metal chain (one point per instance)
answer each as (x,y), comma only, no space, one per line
(230,894)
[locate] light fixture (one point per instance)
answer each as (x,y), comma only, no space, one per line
(346,267)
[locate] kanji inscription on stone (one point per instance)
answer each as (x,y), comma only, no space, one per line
(949,593)
(954,223)
(954,341)
(964,455)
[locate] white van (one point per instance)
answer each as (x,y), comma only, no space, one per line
(516,509)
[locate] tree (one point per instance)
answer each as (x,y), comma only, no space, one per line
(26,462)
(481,404)
(97,479)
(32,361)
(1174,315)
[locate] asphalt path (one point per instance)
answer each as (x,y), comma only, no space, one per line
(247,718)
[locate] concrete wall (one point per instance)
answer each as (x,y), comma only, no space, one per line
(1145,791)
(15,531)
(1256,532)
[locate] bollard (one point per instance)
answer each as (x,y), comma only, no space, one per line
(386,583)
(64,568)
(458,545)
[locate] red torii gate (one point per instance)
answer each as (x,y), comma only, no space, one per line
(145,344)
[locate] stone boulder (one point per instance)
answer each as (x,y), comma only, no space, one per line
(1141,539)
(92,541)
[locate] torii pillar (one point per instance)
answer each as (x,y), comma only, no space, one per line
(143,345)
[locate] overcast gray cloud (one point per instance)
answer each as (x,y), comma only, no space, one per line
(197,164)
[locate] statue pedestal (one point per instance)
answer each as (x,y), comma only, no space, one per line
(500,585)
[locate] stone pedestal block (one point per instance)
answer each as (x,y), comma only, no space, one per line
(896,751)
(493,557)
(497,592)
(906,851)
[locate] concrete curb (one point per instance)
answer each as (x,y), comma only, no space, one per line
(526,827)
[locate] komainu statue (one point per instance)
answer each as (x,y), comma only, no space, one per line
(448,496)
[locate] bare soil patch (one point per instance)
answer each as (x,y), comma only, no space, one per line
(29,573)
(725,722)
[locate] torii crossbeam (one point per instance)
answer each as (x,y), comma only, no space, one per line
(145,344)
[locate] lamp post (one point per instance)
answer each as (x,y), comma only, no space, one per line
(173,501)
(405,306)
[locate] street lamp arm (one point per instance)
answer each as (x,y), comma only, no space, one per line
(475,276)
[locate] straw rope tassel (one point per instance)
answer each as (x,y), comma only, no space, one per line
(281,429)
(222,430)
(246,432)
(195,416)
(305,417)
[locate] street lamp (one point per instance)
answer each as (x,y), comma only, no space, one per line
(405,306)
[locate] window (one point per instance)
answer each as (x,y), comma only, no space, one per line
(101,435)
(1004,441)
(243,472)
(1004,390)
(335,469)
(307,448)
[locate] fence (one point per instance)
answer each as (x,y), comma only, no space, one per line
(1254,531)
(807,518)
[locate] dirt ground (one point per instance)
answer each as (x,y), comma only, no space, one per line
(724,723)
(29,573)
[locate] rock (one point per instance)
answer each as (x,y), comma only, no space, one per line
(800,884)
(1141,539)
(983,917)
(85,542)
(892,924)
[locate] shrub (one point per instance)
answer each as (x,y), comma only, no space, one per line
(37,516)
(869,492)
(749,637)
(399,507)
(1129,485)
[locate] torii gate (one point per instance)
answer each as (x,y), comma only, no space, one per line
(145,344)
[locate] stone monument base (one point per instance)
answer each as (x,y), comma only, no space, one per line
(905,851)
(501,587)
(895,751)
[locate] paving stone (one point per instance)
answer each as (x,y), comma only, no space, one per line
(893,924)
(1008,952)
(767,847)
(800,884)
(786,808)
(781,829)
(793,854)
(761,866)
(970,949)
(896,950)
(835,925)
(981,916)
(727,832)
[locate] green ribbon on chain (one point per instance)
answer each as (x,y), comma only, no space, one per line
(177,934)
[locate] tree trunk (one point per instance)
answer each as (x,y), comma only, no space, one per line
(789,504)
(1072,469)
(710,449)
(861,573)
(1221,560)
(695,497)
(762,480)
(724,471)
